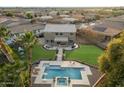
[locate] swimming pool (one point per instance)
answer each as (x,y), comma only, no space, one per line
(52,71)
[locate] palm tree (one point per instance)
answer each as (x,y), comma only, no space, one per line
(28,41)
(13,74)
(24,78)
(3,46)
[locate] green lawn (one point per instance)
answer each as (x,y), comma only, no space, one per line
(85,53)
(39,52)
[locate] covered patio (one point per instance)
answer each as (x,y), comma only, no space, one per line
(61,41)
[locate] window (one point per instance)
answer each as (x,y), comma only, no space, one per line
(51,41)
(56,33)
(71,33)
(61,33)
(71,41)
(47,40)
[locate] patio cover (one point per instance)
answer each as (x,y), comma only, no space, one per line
(61,39)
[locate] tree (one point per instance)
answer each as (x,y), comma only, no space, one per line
(70,11)
(111,62)
(29,15)
(97,17)
(82,14)
(14,74)
(58,14)
(9,14)
(11,73)
(33,21)
(3,46)
(3,32)
(28,40)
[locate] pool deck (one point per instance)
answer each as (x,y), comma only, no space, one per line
(73,64)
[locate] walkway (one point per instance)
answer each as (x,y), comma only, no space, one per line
(60,54)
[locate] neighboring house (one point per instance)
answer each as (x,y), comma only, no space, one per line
(60,34)
(90,16)
(65,12)
(108,32)
(20,29)
(18,26)
(100,34)
(10,22)
(64,16)
(115,22)
(70,20)
(46,18)
(53,13)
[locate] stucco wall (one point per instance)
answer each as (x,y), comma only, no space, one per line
(51,36)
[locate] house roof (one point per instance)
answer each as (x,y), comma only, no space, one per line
(65,16)
(3,19)
(115,22)
(46,17)
(116,19)
(25,28)
(60,28)
(106,30)
(98,28)
(14,22)
(70,19)
(112,32)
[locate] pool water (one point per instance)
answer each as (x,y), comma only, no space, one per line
(62,81)
(53,71)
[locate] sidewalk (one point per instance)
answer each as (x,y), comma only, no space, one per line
(60,54)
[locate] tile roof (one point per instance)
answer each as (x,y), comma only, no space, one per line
(25,28)
(60,28)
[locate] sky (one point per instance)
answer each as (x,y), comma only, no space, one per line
(61,3)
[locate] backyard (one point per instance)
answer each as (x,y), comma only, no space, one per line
(85,53)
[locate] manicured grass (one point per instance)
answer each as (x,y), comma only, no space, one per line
(85,53)
(39,52)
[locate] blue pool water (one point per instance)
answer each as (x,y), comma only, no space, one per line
(52,71)
(62,81)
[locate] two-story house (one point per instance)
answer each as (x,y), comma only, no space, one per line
(60,34)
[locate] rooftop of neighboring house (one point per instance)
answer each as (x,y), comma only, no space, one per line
(26,28)
(53,12)
(60,28)
(114,22)
(70,19)
(46,17)
(116,19)
(109,31)
(3,19)
(9,22)
(78,16)
(64,16)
